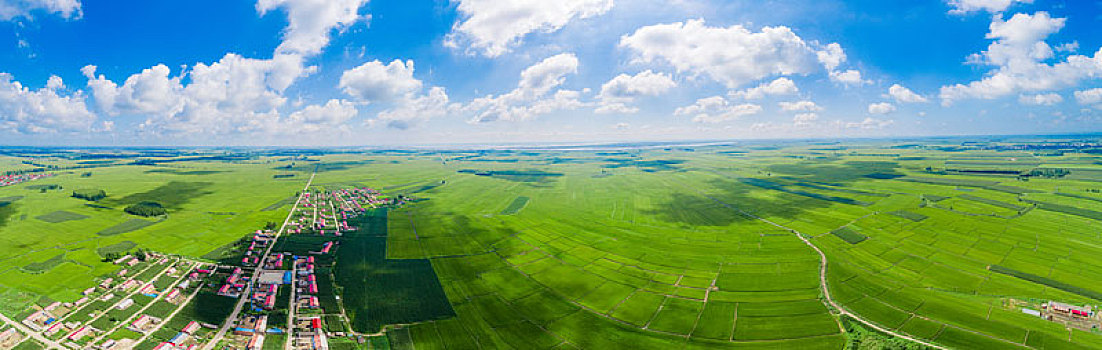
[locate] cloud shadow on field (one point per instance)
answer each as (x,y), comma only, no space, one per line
(706,209)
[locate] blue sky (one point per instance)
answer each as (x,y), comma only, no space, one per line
(386,72)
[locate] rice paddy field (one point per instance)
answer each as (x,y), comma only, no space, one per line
(634,247)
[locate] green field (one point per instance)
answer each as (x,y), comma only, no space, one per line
(640,248)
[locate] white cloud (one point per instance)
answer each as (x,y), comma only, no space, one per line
(1068,47)
(716,109)
(232,95)
(617,94)
(68,9)
(492,28)
(43,110)
(309,22)
(780,86)
(374,81)
(904,95)
(411,110)
(800,106)
(805,119)
(318,118)
(1089,97)
(870,123)
(733,56)
(1018,54)
(993,6)
(848,77)
(1041,99)
(152,91)
(831,56)
(881,108)
(532,96)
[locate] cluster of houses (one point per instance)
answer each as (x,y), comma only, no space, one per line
(9,180)
(254,327)
(309,334)
(306,283)
(327,213)
(183,340)
(45,318)
(261,239)
(234,284)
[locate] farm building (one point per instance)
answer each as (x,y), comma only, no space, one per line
(125,304)
(1068,309)
(256,342)
(9,338)
(191,327)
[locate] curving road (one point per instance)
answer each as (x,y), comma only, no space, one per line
(823,278)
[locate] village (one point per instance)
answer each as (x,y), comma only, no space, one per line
(279,293)
(11,180)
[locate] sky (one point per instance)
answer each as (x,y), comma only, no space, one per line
(422,72)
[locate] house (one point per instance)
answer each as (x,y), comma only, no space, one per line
(191,327)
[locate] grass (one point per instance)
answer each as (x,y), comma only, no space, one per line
(379,291)
(849,235)
(1047,282)
(599,252)
(60,216)
(45,265)
(126,226)
(515,206)
(120,247)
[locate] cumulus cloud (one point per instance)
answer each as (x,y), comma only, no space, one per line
(805,119)
(1041,99)
(881,108)
(870,123)
(152,91)
(733,56)
(799,106)
(237,94)
(778,87)
(43,110)
(68,9)
(316,118)
(717,109)
(618,94)
(993,6)
(492,28)
(831,56)
(902,94)
(533,95)
(1089,97)
(1017,55)
(234,94)
(374,81)
(413,109)
(309,22)
(848,77)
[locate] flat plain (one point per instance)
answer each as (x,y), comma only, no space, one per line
(627,247)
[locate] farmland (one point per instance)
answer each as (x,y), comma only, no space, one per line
(627,247)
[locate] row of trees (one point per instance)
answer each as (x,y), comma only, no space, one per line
(90,194)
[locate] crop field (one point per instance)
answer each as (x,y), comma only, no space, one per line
(648,248)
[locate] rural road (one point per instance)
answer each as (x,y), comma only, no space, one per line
(256,272)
